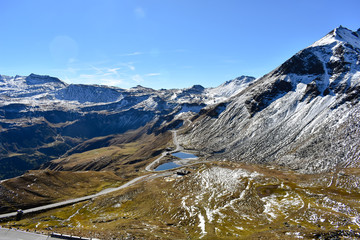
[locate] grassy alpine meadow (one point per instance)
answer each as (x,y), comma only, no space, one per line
(217,200)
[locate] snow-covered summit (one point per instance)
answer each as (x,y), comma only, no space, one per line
(89,93)
(329,66)
(238,81)
(340,34)
(33,86)
(34,79)
(49,92)
(285,117)
(141,89)
(231,87)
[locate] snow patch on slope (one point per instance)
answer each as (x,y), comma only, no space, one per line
(228,89)
(216,191)
(89,93)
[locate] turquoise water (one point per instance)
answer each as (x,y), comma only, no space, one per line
(183,155)
(167,166)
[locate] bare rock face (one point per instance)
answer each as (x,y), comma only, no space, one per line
(263,99)
(294,116)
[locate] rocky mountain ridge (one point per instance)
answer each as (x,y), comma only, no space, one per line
(292,116)
(41,117)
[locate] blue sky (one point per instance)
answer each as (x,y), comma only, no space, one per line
(161,43)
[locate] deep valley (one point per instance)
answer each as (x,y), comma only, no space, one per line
(272,158)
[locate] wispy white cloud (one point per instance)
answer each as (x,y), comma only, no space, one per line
(152,74)
(120,74)
(111,76)
(131,67)
(87,76)
(101,79)
(153,52)
(113,70)
(97,70)
(137,78)
(112,82)
(132,54)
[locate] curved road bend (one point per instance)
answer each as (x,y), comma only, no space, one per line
(108,190)
(178,148)
(76,200)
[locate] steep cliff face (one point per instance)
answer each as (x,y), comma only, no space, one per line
(294,115)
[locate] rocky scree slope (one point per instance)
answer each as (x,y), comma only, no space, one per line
(303,115)
(41,117)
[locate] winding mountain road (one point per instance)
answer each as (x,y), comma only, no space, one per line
(178,148)
(148,168)
(81,199)
(76,200)
(7,234)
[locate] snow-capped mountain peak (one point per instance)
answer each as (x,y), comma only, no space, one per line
(280,118)
(340,34)
(230,88)
(328,66)
(33,86)
(34,79)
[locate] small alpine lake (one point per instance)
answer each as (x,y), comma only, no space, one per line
(186,157)
(167,166)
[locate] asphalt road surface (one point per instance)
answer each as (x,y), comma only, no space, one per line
(10,234)
(76,200)
(15,234)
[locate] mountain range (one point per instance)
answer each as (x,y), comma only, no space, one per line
(41,117)
(277,156)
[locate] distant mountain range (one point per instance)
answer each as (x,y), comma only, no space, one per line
(302,115)
(41,117)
